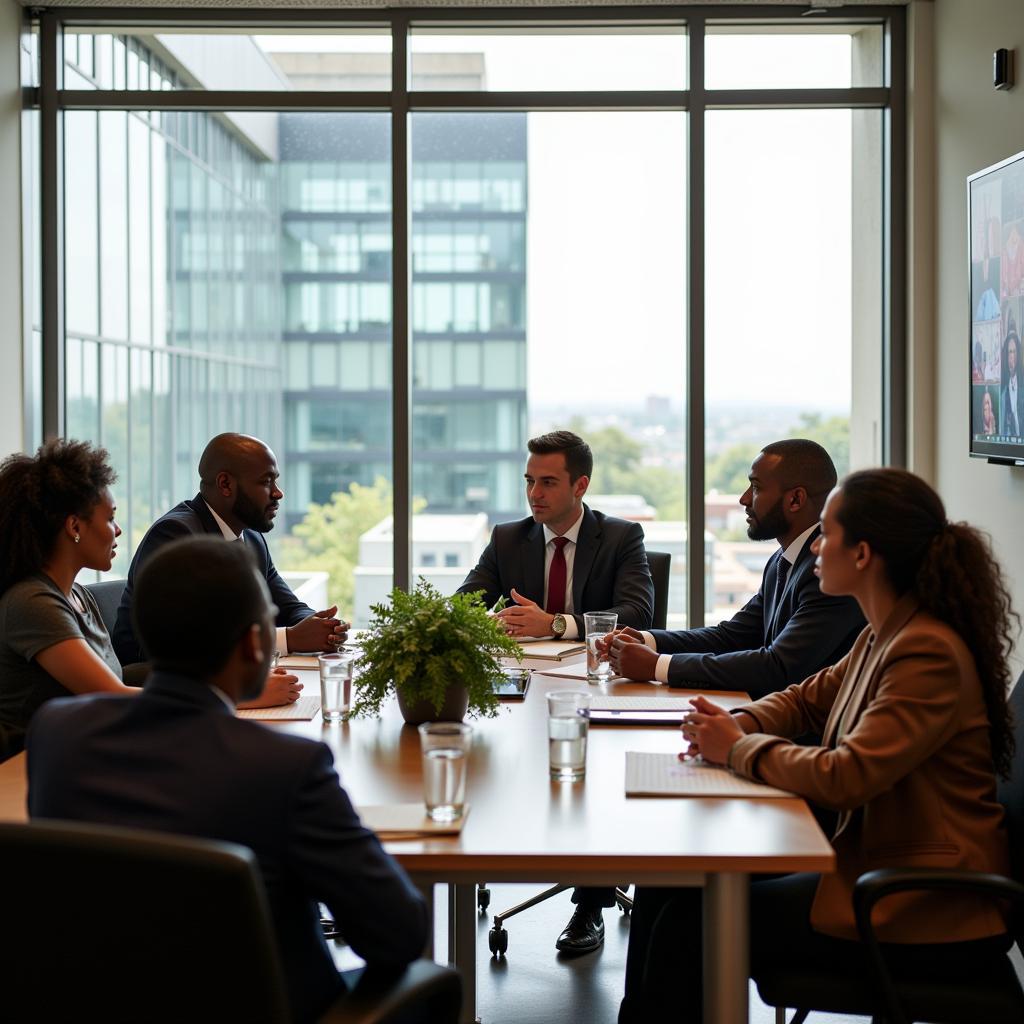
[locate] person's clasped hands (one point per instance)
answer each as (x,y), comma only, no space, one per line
(628,654)
(711,732)
(320,631)
(524,617)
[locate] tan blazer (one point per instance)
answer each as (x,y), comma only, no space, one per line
(906,761)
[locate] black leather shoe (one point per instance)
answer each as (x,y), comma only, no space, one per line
(584,932)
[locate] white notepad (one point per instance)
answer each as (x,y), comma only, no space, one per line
(407,821)
(665,775)
(577,670)
(303,710)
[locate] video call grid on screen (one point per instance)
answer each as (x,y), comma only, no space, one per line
(996,226)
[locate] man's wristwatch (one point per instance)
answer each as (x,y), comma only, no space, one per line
(558,626)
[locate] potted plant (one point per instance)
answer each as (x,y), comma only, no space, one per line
(440,655)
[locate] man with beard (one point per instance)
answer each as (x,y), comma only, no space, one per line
(238,499)
(788,630)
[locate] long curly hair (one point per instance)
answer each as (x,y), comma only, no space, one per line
(950,569)
(37,494)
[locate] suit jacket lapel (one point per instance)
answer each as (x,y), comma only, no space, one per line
(531,564)
(587,542)
(205,516)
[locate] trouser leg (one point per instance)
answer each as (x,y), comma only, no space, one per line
(593,897)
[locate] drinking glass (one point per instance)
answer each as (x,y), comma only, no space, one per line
(445,750)
(568,719)
(598,625)
(335,685)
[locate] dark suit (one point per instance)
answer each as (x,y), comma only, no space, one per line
(189,519)
(609,568)
(175,759)
(1011,416)
(766,645)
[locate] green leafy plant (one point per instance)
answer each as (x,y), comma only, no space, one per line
(421,643)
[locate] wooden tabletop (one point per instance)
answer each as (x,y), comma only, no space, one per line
(524,826)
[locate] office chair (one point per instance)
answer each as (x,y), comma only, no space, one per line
(992,994)
(659,563)
(108,596)
(125,925)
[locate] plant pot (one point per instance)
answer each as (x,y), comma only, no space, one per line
(415,712)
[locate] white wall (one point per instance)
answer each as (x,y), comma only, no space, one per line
(10,230)
(974,126)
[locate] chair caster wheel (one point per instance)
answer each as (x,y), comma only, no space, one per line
(483,897)
(497,939)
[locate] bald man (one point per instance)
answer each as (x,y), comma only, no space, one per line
(238,499)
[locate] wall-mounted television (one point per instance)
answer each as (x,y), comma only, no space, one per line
(995,203)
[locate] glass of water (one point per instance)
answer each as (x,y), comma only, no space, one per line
(445,750)
(568,719)
(335,685)
(598,625)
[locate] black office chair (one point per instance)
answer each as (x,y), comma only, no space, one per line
(108,596)
(123,925)
(659,563)
(992,995)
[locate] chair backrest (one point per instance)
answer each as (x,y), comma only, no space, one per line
(108,597)
(122,925)
(659,562)
(1011,790)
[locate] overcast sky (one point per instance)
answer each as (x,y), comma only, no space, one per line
(607,274)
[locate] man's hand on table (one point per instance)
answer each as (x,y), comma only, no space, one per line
(281,688)
(630,656)
(525,617)
(320,631)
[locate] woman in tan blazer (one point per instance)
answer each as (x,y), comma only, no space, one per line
(914,727)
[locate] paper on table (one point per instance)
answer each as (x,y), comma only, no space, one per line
(407,821)
(654,702)
(297,661)
(574,671)
(665,775)
(303,710)
(552,650)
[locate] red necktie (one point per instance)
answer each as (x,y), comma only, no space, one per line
(557,575)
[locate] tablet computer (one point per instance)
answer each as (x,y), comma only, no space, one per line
(513,684)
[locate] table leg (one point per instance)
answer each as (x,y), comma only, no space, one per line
(726,948)
(463,923)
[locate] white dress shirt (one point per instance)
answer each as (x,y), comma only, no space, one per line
(569,551)
(791,554)
(281,633)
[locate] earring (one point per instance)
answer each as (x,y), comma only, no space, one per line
(77,538)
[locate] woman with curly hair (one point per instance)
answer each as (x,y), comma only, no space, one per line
(56,519)
(915,727)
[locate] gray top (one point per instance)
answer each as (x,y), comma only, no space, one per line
(36,614)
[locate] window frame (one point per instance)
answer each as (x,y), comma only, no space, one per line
(51,99)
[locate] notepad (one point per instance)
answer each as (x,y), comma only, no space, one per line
(575,671)
(298,661)
(303,710)
(407,821)
(665,775)
(551,650)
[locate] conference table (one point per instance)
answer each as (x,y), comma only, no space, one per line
(523,827)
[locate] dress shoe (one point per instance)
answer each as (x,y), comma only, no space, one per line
(584,932)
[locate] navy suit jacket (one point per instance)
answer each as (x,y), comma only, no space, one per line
(767,645)
(189,519)
(609,568)
(175,759)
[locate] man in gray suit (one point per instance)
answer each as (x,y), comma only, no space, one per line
(555,565)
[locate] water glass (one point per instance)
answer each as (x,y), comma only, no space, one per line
(568,719)
(598,625)
(445,750)
(335,685)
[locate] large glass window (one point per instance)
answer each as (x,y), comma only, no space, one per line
(231,269)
